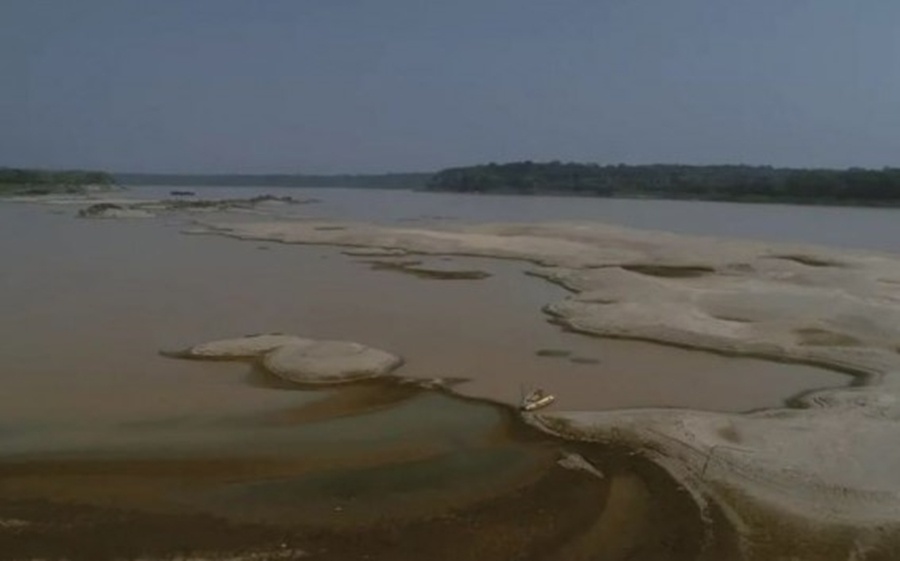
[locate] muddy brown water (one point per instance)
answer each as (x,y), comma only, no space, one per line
(101,436)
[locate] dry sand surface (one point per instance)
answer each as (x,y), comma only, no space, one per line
(830,462)
(304,361)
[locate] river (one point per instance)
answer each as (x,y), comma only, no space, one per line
(88,304)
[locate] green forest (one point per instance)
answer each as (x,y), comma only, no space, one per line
(726,182)
(854,186)
(34,181)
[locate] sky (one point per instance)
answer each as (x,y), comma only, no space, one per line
(325,86)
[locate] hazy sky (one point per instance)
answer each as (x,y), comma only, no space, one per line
(377,85)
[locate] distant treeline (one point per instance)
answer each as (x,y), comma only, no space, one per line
(35,180)
(377,181)
(724,183)
(731,182)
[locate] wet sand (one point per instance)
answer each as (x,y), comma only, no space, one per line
(356,474)
(505,498)
(543,521)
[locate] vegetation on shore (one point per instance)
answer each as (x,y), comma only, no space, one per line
(727,182)
(44,182)
(854,186)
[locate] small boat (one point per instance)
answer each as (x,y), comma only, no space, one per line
(536,400)
(182,193)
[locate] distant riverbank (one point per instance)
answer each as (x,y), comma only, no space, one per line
(15,181)
(750,184)
(719,183)
(724,183)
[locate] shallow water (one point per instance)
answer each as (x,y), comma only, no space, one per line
(88,305)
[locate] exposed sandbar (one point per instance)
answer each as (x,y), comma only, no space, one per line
(831,459)
(300,360)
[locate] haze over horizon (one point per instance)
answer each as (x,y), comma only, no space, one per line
(216,86)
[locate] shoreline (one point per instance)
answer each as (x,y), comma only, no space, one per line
(828,203)
(573,273)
